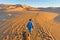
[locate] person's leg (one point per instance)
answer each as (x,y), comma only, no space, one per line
(30,30)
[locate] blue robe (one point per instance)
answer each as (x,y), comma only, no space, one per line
(30,26)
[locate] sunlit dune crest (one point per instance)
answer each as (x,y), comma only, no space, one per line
(25,6)
(12,7)
(15,9)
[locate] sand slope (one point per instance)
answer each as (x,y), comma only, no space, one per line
(43,22)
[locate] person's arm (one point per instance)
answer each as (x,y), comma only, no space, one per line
(32,25)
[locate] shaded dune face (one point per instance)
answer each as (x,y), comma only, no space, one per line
(57,19)
(8,15)
(51,9)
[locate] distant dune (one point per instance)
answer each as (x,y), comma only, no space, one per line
(51,9)
(14,10)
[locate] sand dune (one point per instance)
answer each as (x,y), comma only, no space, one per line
(12,29)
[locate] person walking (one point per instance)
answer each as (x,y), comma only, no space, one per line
(30,25)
